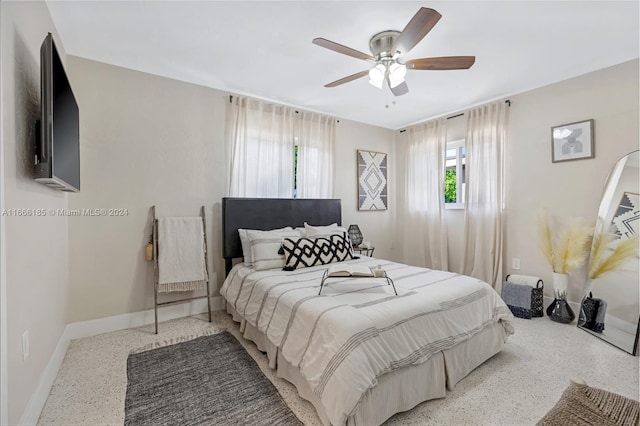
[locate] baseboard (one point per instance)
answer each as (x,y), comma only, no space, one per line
(78,330)
(621,324)
(39,398)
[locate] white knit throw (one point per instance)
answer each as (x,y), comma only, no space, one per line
(181,261)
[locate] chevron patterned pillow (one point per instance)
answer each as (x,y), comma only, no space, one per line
(306,252)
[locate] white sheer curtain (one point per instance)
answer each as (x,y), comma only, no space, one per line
(261,141)
(485,189)
(425,233)
(316,151)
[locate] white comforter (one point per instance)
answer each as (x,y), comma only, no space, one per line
(357,330)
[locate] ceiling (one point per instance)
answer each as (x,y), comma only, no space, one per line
(263,49)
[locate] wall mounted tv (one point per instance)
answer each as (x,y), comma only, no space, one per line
(57,162)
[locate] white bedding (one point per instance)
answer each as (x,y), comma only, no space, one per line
(357,330)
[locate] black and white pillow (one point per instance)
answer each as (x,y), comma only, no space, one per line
(326,231)
(306,252)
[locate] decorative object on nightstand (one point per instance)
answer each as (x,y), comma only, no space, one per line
(366,248)
(565,253)
(355,235)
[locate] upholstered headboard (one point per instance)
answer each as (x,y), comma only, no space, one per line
(271,213)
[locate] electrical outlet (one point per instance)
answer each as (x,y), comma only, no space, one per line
(515,264)
(25,345)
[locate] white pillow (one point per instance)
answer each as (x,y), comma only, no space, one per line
(246,246)
(265,246)
(323,231)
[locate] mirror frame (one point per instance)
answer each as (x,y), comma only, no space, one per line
(586,291)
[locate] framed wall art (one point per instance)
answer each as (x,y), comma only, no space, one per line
(626,219)
(573,141)
(372,180)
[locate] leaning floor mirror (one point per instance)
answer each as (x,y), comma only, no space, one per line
(610,309)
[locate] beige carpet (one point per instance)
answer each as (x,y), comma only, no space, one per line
(516,387)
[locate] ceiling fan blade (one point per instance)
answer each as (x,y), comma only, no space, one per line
(400,89)
(418,27)
(442,63)
(337,47)
(347,79)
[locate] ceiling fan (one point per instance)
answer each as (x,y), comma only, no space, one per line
(388,46)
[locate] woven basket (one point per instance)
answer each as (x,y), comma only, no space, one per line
(584,405)
(536,309)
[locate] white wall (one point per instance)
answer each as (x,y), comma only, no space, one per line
(36,248)
(378,227)
(573,188)
(147,140)
(151,140)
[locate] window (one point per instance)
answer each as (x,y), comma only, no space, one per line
(455,175)
(278,152)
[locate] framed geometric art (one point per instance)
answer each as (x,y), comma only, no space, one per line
(626,219)
(573,141)
(372,180)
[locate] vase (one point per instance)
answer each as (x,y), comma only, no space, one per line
(582,316)
(559,310)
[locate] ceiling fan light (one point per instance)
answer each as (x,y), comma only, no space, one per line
(397,71)
(378,84)
(376,75)
(394,82)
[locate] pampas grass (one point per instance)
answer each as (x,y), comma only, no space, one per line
(600,263)
(570,249)
(545,241)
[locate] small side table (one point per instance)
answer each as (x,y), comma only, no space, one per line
(367,251)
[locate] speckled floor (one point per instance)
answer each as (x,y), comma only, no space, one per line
(516,387)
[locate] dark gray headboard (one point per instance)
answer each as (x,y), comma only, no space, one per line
(271,213)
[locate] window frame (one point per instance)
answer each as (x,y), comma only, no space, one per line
(296,148)
(457,144)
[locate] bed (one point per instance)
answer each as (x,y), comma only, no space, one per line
(358,352)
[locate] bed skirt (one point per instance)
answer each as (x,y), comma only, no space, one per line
(400,390)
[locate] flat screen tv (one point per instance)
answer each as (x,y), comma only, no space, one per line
(57,162)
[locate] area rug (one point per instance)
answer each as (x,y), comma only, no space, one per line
(585,405)
(210,380)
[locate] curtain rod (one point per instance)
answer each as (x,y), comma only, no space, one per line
(508,102)
(297,112)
